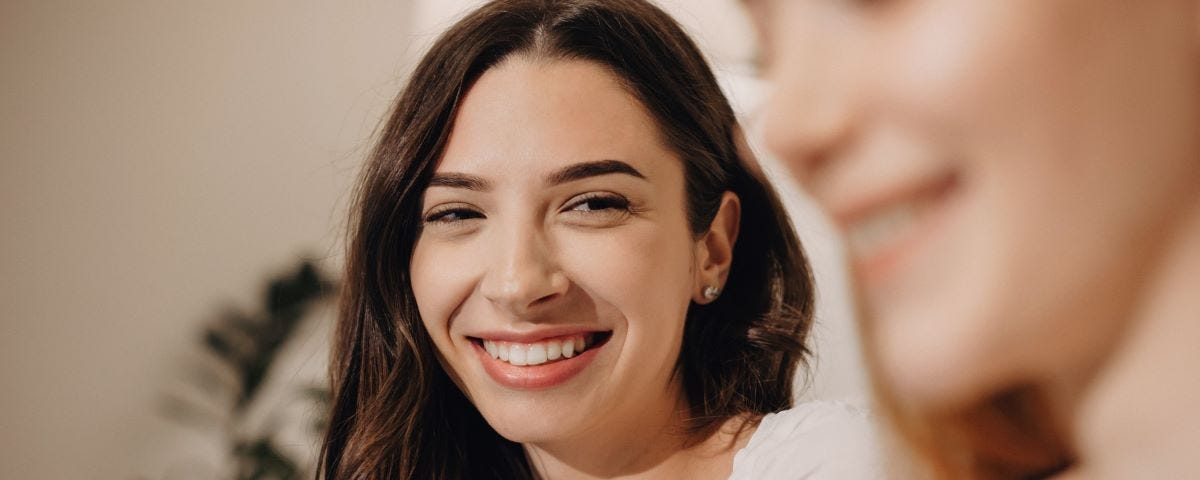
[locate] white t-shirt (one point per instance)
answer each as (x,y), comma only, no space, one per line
(814,440)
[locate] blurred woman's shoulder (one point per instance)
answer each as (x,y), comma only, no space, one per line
(813,440)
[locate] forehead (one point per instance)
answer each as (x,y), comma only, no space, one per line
(539,115)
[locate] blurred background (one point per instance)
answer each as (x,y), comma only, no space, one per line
(162,161)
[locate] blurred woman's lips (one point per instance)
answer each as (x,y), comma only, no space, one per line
(884,229)
(543,363)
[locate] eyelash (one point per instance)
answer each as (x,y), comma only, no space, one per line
(608,201)
(440,215)
(603,203)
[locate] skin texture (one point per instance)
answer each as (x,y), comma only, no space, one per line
(1049,151)
(524,253)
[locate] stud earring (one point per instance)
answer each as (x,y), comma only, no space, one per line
(711,292)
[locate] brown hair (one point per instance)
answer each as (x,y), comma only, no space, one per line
(396,413)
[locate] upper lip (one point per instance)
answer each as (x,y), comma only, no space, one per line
(539,334)
(852,210)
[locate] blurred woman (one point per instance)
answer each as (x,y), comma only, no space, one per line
(561,265)
(1019,182)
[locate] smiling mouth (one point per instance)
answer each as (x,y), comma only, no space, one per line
(542,352)
(880,234)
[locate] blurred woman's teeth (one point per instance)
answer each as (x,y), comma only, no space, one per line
(538,353)
(875,233)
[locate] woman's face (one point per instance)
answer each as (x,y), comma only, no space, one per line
(555,266)
(1002,170)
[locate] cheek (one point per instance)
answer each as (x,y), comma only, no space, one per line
(441,279)
(954,66)
(644,271)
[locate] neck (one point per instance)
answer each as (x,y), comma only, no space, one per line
(655,444)
(1137,417)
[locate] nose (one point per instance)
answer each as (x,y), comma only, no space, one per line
(815,81)
(523,273)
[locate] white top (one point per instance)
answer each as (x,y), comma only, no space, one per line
(814,440)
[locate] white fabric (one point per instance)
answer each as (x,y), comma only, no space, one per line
(814,441)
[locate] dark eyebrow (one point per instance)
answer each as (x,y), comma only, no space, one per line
(460,180)
(580,171)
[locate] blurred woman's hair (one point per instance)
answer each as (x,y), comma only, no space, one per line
(396,413)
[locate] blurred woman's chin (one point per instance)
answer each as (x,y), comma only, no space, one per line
(918,372)
(931,361)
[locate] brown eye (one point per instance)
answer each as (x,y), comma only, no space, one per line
(452,215)
(595,203)
(597,210)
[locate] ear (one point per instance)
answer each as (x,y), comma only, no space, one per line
(714,250)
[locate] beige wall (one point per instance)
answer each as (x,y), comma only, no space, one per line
(157,158)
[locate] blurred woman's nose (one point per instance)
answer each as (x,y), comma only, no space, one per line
(522,273)
(815,82)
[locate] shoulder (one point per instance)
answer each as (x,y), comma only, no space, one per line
(813,440)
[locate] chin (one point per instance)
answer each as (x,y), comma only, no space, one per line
(525,434)
(530,421)
(937,332)
(937,355)
(918,371)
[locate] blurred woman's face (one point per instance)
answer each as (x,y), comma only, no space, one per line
(555,266)
(1001,170)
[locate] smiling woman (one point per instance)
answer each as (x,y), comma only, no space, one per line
(1018,183)
(562,265)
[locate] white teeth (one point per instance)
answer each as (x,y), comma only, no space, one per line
(875,233)
(516,354)
(538,353)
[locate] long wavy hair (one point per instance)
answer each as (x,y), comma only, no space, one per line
(395,412)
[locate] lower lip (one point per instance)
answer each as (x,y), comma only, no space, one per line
(535,377)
